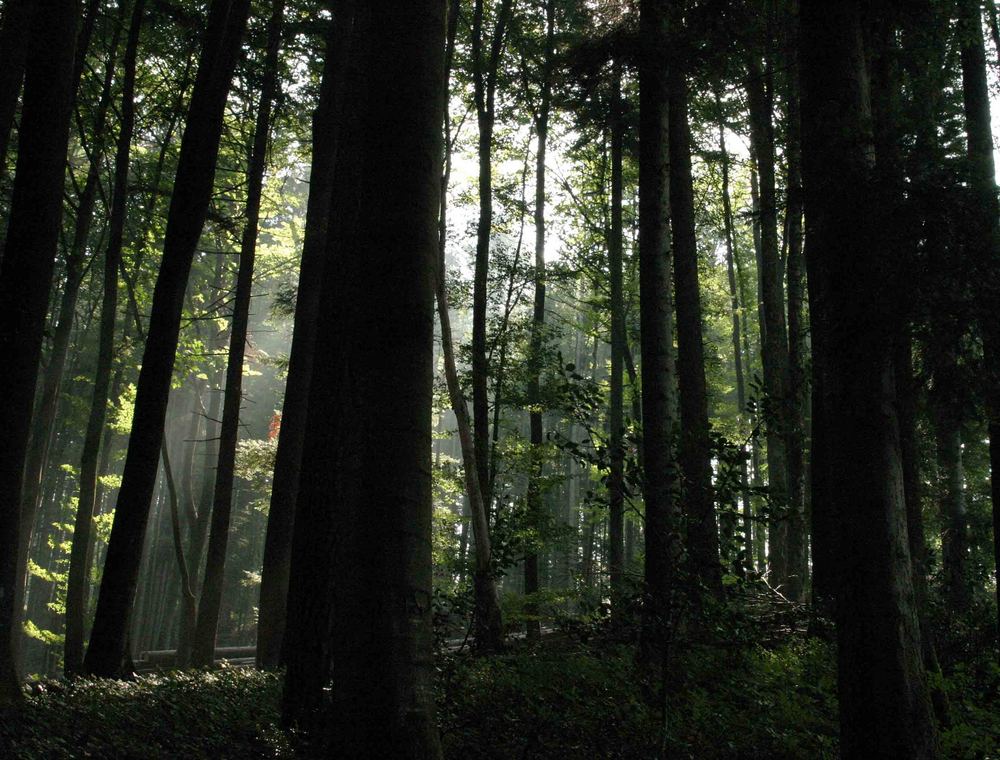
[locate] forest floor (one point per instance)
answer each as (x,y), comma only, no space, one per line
(737,692)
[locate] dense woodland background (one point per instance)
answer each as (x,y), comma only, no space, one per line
(694,458)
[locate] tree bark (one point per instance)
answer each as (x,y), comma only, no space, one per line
(81,552)
(369,433)
(884,706)
(25,279)
(188,208)
(984,235)
(659,402)
(14,32)
(695,452)
(225,473)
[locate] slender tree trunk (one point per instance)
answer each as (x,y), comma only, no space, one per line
(616,420)
(659,402)
(485,71)
(80,554)
(695,452)
(984,237)
(487,621)
(884,706)
(774,333)
(13,51)
(735,309)
(25,279)
(188,208)
(797,546)
(225,473)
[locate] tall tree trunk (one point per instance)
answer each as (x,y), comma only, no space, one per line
(797,544)
(659,402)
(984,237)
(884,706)
(695,451)
(25,279)
(225,473)
(44,417)
(487,621)
(616,414)
(735,309)
(537,432)
(484,71)
(80,554)
(14,32)
(774,353)
(188,208)
(368,441)
(288,459)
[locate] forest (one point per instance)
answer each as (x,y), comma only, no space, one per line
(499,379)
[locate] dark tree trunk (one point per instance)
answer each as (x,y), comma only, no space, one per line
(616,412)
(80,555)
(225,473)
(797,544)
(537,433)
(774,353)
(659,402)
(695,451)
(487,622)
(13,50)
(734,307)
(25,279)
(43,421)
(884,706)
(368,441)
(188,208)
(984,236)
(485,71)
(288,460)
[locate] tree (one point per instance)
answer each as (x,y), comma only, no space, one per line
(370,462)
(188,208)
(80,558)
(883,696)
(656,318)
(203,652)
(25,279)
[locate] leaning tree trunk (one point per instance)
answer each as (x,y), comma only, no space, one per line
(486,617)
(25,279)
(662,528)
(188,208)
(210,602)
(288,459)
(883,697)
(368,442)
(13,51)
(695,446)
(80,554)
(985,238)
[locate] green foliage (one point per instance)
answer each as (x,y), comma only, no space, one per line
(227,713)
